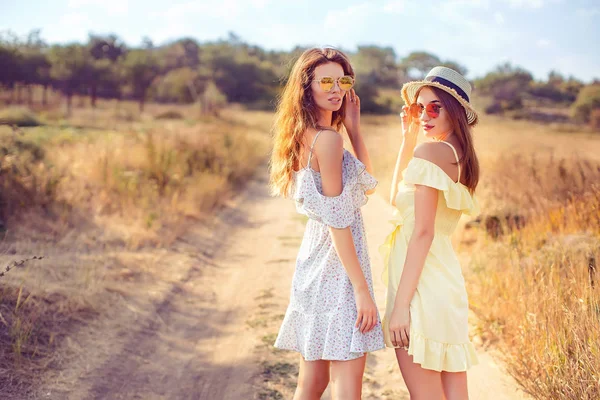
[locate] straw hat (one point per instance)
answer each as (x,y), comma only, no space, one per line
(448,80)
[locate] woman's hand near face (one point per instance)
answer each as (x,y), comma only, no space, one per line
(352,124)
(352,113)
(410,126)
(410,132)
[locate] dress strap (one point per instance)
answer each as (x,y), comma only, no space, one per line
(312,146)
(455,155)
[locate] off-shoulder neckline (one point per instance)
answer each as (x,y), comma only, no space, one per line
(442,171)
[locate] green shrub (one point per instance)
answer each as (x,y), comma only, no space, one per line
(25,180)
(587,101)
(170,114)
(18,116)
(595,118)
(212,100)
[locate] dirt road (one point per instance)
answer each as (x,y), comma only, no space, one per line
(207,333)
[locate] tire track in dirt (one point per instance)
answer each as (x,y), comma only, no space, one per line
(209,333)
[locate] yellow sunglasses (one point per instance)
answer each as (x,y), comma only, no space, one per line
(327,82)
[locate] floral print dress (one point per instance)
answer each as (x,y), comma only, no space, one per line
(320,319)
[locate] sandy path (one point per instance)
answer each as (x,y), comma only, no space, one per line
(208,333)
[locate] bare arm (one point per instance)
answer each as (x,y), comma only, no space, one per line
(352,125)
(404,156)
(410,130)
(426,199)
(329,151)
(418,248)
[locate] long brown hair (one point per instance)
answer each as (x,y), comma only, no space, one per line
(469,162)
(296,112)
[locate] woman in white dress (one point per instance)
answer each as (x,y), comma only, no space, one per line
(332,320)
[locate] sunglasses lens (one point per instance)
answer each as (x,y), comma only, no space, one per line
(326,83)
(415,110)
(346,82)
(433,110)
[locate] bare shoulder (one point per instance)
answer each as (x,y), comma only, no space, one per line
(329,142)
(441,155)
(435,152)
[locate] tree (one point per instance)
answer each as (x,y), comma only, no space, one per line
(105,51)
(211,100)
(179,54)
(24,62)
(571,88)
(106,47)
(378,63)
(419,63)
(140,68)
(35,68)
(588,102)
(70,69)
(507,85)
(244,81)
(180,85)
(10,65)
(555,78)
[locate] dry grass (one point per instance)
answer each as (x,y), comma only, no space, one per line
(149,175)
(96,193)
(536,288)
(533,261)
(103,196)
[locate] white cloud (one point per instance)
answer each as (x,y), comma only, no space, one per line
(349,17)
(226,9)
(483,4)
(112,7)
(526,3)
(73,19)
(260,3)
(499,18)
(394,6)
(543,43)
(587,12)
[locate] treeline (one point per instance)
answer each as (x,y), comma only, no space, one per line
(513,90)
(185,70)
(230,70)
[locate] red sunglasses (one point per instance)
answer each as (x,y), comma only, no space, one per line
(432,109)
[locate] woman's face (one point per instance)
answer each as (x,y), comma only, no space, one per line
(433,128)
(332,100)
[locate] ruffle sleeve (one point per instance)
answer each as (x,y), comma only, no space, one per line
(337,211)
(423,172)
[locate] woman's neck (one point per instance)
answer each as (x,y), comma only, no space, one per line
(444,137)
(325,119)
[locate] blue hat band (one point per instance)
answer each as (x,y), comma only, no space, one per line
(446,82)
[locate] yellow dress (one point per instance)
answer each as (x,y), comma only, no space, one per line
(439,309)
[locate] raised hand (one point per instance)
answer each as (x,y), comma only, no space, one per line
(352,113)
(410,126)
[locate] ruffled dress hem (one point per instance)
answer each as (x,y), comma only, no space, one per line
(438,356)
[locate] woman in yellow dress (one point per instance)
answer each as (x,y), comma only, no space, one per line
(433,185)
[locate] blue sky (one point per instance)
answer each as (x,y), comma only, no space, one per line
(538,35)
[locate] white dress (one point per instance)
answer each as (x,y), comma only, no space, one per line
(320,319)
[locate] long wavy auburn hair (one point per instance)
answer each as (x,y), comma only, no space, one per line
(296,112)
(469,162)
